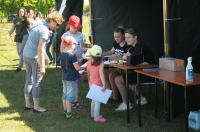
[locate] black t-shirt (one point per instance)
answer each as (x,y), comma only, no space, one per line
(25,25)
(138,49)
(69,73)
(141,49)
(120,50)
(18,29)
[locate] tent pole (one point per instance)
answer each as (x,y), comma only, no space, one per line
(170,25)
(91,22)
(165,24)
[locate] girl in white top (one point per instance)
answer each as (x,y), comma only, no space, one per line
(74,25)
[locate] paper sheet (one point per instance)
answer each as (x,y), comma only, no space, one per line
(110,62)
(107,56)
(95,93)
(81,71)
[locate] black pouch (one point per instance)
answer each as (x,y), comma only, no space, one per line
(135,59)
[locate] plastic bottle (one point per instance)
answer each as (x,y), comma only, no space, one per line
(189,70)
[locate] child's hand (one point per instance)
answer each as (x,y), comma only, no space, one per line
(103,88)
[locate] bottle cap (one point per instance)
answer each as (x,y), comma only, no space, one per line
(189,59)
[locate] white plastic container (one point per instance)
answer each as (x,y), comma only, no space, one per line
(194,120)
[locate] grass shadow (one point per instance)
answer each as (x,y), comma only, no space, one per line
(53,120)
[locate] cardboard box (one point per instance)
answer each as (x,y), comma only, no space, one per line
(171,64)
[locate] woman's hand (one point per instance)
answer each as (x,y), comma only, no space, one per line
(46,61)
(9,34)
(114,57)
(42,71)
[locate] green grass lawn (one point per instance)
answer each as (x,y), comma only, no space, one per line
(14,119)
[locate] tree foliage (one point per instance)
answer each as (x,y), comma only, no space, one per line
(11,6)
(86,9)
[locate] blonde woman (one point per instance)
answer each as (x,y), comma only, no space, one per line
(34,58)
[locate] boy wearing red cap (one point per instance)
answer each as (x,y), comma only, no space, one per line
(70,67)
(74,24)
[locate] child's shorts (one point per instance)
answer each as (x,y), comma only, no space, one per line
(69,90)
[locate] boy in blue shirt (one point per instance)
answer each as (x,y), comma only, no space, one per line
(70,74)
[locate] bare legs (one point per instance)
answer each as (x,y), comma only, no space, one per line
(67,106)
(112,75)
(121,87)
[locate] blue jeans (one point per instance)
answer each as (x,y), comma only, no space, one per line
(69,90)
(33,78)
(19,47)
(21,60)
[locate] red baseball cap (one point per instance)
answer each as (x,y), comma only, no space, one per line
(74,21)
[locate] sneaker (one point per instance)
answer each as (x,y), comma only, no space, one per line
(28,108)
(123,107)
(100,120)
(18,69)
(72,116)
(39,110)
(143,101)
(50,62)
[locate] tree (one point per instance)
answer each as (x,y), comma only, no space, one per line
(86,9)
(11,6)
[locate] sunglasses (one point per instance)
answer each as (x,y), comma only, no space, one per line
(56,23)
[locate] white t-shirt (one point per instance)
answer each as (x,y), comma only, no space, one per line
(80,40)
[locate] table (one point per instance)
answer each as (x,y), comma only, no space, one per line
(172,77)
(126,67)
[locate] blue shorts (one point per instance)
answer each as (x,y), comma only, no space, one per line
(69,90)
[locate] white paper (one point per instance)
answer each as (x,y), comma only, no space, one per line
(96,93)
(107,56)
(81,71)
(110,62)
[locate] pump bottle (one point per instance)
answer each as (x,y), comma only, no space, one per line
(189,70)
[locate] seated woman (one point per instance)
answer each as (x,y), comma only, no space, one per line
(118,50)
(132,38)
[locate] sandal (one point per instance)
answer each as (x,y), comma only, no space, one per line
(79,105)
(73,104)
(100,120)
(76,105)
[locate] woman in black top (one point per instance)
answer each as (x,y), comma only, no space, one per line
(119,48)
(132,38)
(18,28)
